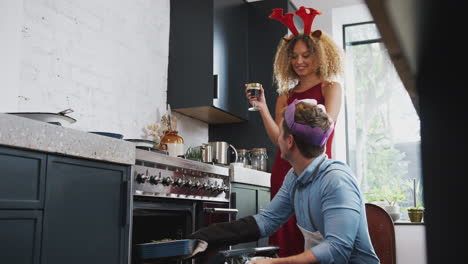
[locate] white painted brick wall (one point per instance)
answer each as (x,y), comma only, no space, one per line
(107,60)
(10,29)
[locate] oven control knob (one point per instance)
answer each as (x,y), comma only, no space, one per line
(141,178)
(225,189)
(155,180)
(211,187)
(167,181)
(215,188)
(197,185)
(177,182)
(188,184)
(204,186)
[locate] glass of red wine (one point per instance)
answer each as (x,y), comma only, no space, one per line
(254,91)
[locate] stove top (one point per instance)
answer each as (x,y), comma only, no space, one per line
(159,175)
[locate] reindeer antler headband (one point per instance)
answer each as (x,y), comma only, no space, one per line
(306,14)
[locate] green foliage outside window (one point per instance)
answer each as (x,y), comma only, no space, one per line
(389,194)
(382,125)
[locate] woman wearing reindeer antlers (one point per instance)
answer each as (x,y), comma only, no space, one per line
(304,66)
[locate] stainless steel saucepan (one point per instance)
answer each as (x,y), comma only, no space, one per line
(220,152)
(206,153)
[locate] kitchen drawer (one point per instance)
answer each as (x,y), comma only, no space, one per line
(22,179)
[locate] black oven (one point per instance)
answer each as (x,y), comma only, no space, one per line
(173,197)
(156,219)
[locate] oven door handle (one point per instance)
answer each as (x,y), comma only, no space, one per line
(220,210)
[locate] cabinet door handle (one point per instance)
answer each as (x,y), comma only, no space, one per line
(215,86)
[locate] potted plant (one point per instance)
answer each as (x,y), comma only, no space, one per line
(194,153)
(387,197)
(416,212)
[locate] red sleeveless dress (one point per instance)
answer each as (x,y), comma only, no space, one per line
(289,238)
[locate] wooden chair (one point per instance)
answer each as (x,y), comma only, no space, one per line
(382,233)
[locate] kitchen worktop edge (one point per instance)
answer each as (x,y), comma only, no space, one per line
(30,134)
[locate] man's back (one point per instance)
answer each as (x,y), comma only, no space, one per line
(334,205)
(330,203)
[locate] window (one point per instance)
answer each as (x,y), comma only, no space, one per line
(382,126)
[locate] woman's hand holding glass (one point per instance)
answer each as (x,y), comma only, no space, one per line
(258,103)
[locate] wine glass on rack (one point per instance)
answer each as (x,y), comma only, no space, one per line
(254,91)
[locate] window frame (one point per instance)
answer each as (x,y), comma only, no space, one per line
(347,103)
(353,43)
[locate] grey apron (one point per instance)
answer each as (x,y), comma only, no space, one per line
(311,239)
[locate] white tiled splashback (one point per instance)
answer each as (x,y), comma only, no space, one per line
(107,60)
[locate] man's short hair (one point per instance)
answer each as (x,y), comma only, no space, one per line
(314,116)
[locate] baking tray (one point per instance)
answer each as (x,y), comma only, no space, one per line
(243,254)
(171,249)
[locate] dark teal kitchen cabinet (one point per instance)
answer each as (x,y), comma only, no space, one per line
(22,180)
(250,200)
(86,215)
(264,35)
(263,200)
(208,60)
(20,236)
(61,209)
(22,186)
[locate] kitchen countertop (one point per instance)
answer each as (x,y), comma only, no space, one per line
(30,134)
(249,176)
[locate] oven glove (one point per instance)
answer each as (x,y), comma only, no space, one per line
(200,247)
(228,233)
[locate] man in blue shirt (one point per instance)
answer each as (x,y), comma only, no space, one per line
(323,193)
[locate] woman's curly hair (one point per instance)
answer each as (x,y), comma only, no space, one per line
(326,55)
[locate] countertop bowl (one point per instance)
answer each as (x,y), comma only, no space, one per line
(108,134)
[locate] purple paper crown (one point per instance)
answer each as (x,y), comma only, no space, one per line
(310,135)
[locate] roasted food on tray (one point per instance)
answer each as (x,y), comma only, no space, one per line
(182,249)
